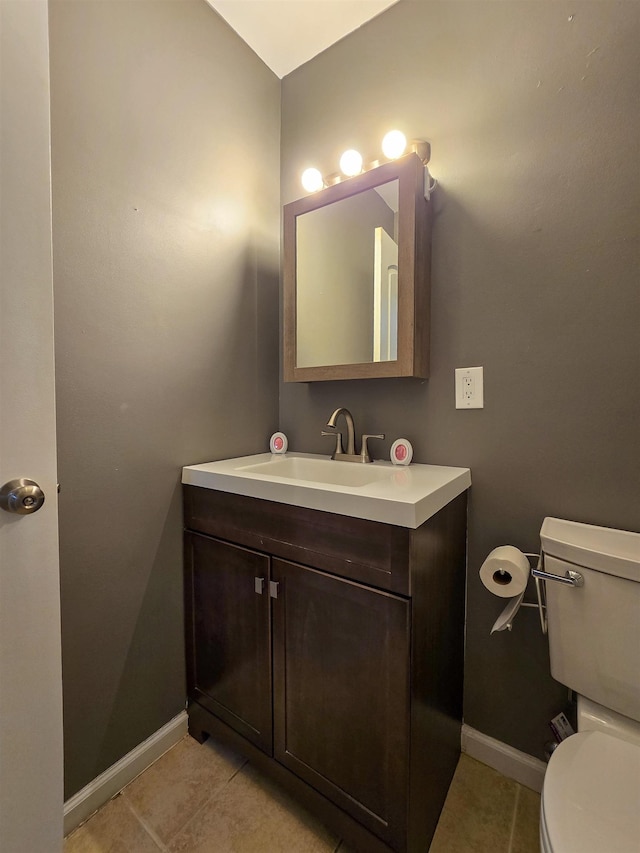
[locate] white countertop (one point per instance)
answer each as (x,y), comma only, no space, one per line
(402,495)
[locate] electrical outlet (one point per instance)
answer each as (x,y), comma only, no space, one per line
(469,388)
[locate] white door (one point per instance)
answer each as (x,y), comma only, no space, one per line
(31,794)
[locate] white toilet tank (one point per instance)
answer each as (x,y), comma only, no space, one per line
(594,630)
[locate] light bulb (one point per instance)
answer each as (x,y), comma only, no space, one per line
(351,163)
(312,180)
(394,144)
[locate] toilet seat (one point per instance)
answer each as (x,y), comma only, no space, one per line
(591,796)
(545,842)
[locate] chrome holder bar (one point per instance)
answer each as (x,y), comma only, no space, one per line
(541,594)
(571,578)
(541,597)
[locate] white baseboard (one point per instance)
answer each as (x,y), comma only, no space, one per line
(526,769)
(105,786)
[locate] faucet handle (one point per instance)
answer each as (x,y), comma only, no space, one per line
(338,437)
(364,453)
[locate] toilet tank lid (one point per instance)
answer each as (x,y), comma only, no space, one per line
(604,549)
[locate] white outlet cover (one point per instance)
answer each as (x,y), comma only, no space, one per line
(469,388)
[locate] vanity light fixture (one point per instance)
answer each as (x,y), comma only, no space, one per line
(312,180)
(351,163)
(394,145)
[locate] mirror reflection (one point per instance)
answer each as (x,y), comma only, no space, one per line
(347,280)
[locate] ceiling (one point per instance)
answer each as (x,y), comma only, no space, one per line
(287,33)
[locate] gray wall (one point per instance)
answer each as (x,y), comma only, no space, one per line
(532,111)
(165,214)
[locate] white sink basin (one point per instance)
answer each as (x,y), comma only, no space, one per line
(325,470)
(377,491)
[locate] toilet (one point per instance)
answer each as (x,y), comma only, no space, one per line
(591,793)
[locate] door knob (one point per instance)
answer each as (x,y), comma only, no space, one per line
(22,496)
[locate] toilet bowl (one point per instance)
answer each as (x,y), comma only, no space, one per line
(591,793)
(591,796)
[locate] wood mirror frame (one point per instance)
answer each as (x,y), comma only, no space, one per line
(414,273)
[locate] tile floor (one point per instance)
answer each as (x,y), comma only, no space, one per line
(206,799)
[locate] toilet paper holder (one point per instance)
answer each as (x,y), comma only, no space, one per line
(570,578)
(503,569)
(541,604)
(505,572)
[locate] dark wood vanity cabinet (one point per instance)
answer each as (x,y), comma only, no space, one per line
(230,660)
(329,650)
(340,667)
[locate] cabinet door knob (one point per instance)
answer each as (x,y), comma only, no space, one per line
(273,589)
(259,585)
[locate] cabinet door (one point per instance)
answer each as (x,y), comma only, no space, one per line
(341,693)
(228,635)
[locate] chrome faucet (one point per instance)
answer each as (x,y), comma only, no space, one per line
(350,454)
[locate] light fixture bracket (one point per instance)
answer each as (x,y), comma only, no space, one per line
(422,148)
(429,183)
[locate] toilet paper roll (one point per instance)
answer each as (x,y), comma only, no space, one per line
(505,572)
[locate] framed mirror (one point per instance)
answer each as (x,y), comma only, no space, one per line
(356,277)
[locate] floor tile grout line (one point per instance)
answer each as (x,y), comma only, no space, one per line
(513,819)
(148,829)
(233,776)
(205,803)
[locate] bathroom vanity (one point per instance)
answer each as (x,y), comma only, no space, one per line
(328,647)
